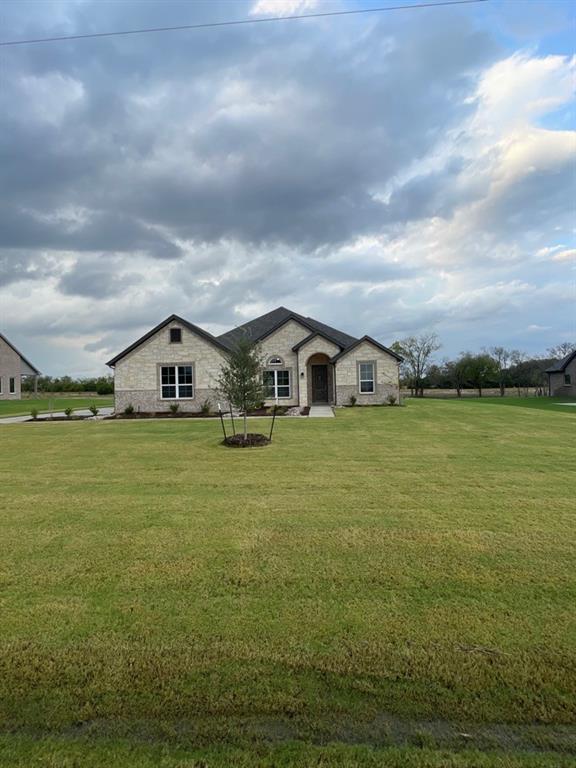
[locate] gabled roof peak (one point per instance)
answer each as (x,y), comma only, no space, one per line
(20,355)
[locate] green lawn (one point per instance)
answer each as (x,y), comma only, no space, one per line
(45,404)
(396,582)
(554,404)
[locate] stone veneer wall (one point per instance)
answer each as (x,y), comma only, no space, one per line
(280,343)
(136,376)
(557,381)
(10,367)
(387,376)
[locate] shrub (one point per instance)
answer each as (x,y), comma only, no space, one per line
(93,410)
(205,407)
(391,399)
(281,410)
(129,410)
(68,411)
(34,413)
(353,400)
(174,408)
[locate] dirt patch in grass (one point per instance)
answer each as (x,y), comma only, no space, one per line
(252,440)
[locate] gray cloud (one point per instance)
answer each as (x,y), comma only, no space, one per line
(217,172)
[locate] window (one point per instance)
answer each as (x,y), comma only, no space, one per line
(12,385)
(275,360)
(175,335)
(366,377)
(177,382)
(567,379)
(276,384)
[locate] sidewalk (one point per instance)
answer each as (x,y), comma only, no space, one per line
(81,412)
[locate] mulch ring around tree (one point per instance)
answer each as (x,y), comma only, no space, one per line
(252,440)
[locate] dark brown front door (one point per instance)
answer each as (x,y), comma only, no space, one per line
(319,383)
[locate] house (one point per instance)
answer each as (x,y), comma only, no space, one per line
(562,377)
(305,362)
(13,366)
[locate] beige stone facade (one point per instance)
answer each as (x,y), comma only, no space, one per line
(137,375)
(348,377)
(280,343)
(138,369)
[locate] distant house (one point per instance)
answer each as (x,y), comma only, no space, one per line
(562,376)
(13,366)
(305,362)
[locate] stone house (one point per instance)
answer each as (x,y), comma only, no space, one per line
(305,362)
(13,366)
(562,377)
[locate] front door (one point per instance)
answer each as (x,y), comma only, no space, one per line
(319,383)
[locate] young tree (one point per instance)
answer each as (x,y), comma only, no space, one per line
(417,352)
(240,380)
(502,357)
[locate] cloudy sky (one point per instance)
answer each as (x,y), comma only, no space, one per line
(387,173)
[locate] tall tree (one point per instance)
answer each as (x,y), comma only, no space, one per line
(417,352)
(480,370)
(502,357)
(240,380)
(456,372)
(561,350)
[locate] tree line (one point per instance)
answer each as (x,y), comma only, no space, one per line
(102,385)
(493,367)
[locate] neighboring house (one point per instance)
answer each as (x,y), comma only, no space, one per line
(13,366)
(562,376)
(305,362)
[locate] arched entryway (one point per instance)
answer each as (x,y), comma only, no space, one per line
(320,379)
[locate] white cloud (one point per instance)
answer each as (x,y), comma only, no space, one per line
(282,7)
(523,87)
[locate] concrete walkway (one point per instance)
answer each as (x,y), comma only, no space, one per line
(45,414)
(321,411)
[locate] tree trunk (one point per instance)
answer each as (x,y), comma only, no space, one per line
(502,389)
(245,424)
(479,391)
(459,391)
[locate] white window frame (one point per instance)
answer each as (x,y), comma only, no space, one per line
(275,360)
(275,385)
(371,379)
(12,385)
(176,384)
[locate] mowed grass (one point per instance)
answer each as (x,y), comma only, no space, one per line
(45,404)
(391,576)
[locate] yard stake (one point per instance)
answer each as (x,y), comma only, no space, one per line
(273,419)
(222,422)
(232,417)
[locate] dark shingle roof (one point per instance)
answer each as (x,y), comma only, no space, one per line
(561,365)
(264,325)
(259,329)
(370,340)
(194,328)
